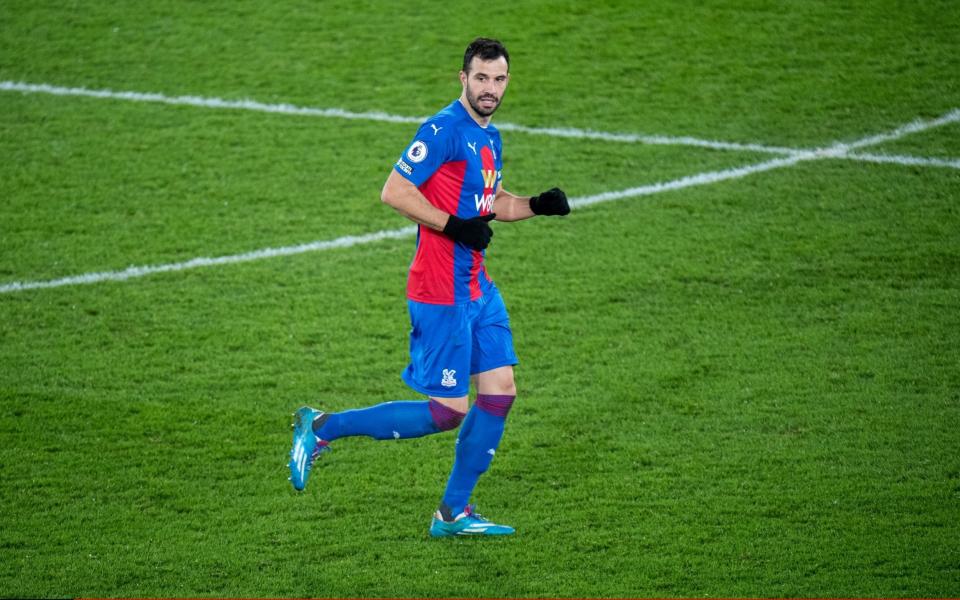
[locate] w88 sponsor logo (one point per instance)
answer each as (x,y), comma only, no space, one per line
(484,203)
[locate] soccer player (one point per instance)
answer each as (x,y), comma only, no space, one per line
(448,180)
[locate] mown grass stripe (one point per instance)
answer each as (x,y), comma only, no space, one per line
(351,240)
(561,132)
(836,150)
(338,113)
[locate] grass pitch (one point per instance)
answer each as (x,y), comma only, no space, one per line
(746,388)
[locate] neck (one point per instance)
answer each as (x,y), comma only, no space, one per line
(481,120)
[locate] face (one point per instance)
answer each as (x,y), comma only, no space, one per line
(484,84)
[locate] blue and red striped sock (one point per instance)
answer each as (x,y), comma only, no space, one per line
(389,421)
(476,445)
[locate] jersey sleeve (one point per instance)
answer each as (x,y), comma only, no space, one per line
(431,147)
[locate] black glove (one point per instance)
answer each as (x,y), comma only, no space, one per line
(551,202)
(471,232)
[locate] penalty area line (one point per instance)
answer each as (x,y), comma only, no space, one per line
(134,272)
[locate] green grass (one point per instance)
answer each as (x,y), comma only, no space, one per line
(748,388)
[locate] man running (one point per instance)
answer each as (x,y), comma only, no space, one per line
(448,181)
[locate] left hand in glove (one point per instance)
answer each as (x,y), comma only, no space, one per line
(551,202)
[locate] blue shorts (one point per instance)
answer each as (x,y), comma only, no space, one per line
(448,344)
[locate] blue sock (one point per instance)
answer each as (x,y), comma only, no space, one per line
(388,421)
(478,441)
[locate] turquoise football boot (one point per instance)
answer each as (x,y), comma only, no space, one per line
(306,446)
(467,523)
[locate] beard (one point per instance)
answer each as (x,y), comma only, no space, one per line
(483,111)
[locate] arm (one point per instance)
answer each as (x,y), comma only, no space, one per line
(510,207)
(407,200)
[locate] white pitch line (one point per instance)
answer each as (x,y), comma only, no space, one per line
(653,140)
(338,113)
(197,101)
(838,150)
(913,127)
(692,180)
(902,159)
(350,241)
(134,272)
(561,132)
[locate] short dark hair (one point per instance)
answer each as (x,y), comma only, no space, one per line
(485,49)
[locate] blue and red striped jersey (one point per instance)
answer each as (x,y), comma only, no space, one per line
(456,165)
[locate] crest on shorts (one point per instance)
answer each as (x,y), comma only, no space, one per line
(449,378)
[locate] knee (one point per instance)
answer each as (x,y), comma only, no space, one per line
(498,382)
(501,387)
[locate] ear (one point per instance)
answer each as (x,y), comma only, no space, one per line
(463,78)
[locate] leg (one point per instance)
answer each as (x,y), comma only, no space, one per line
(314,430)
(439,361)
(390,420)
(479,438)
(437,355)
(492,359)
(497,382)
